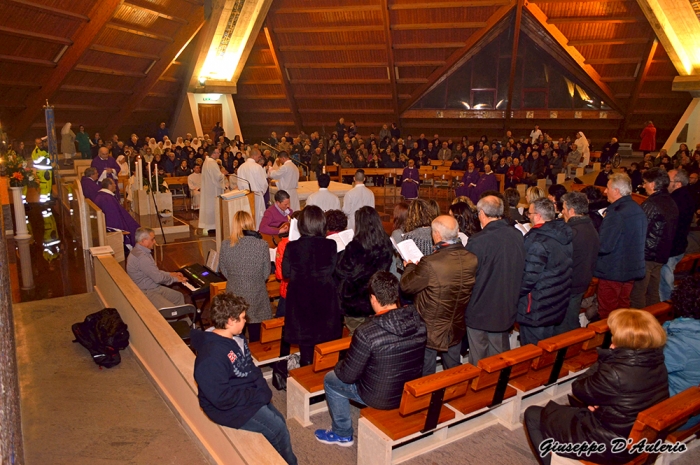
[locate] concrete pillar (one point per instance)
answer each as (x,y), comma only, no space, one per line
(11,445)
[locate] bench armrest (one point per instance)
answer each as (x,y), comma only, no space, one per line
(442,380)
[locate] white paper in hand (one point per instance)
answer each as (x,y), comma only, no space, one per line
(294,230)
(273,254)
(408,250)
(342,239)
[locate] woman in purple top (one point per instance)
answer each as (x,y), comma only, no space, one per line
(409,181)
(469,180)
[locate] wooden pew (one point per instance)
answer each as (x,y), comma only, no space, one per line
(663,311)
(422,410)
(689,265)
(659,422)
(547,369)
(307,382)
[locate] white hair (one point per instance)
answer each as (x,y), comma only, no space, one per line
(621,182)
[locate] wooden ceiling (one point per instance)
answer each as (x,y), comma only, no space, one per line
(114,66)
(119,65)
(370,60)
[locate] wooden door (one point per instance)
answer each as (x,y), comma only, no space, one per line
(209,115)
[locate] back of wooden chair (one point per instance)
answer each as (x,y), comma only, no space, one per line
(568,345)
(271,330)
(454,381)
(663,311)
(216,289)
(689,264)
(326,355)
(501,178)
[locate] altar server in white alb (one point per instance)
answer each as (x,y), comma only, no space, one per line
(212,183)
(357,197)
(252,176)
(287,177)
(323,198)
(194,181)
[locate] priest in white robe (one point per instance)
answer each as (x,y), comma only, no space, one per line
(251,176)
(287,177)
(357,197)
(194,181)
(212,185)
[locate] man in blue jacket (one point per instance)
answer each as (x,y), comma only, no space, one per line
(621,254)
(232,390)
(546,285)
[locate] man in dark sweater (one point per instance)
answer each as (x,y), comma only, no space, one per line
(386,352)
(490,314)
(232,390)
(680,194)
(586,243)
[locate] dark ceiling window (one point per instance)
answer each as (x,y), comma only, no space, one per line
(540,82)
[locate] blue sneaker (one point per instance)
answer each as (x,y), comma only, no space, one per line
(329,437)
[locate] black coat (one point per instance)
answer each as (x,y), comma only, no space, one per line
(501,260)
(622,383)
(352,275)
(546,285)
(313,312)
(385,353)
(586,244)
(686,208)
(662,215)
(622,234)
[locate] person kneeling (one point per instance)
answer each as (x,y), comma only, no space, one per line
(232,390)
(386,352)
(627,378)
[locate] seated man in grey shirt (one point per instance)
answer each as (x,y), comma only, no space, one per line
(143,271)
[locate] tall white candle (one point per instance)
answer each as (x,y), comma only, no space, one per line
(155,168)
(149,176)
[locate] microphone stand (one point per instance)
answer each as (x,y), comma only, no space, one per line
(153,195)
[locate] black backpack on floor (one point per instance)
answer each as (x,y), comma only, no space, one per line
(104,334)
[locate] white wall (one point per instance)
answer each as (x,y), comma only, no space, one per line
(691,117)
(230,118)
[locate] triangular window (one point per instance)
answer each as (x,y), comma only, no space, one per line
(541,81)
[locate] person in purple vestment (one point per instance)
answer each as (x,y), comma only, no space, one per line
(89,183)
(410,179)
(276,218)
(103,162)
(115,215)
(469,180)
(486,182)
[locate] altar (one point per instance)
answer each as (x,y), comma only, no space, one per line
(306,188)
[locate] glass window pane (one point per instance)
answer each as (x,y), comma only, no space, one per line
(535,99)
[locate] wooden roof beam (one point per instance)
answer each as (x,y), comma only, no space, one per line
(139,32)
(109,71)
(639,83)
(99,15)
(27,61)
(388,39)
(322,48)
(422,26)
(596,19)
(613,61)
(630,41)
(286,84)
(419,63)
(457,55)
(35,35)
(430,45)
(326,9)
(94,90)
(514,58)
(340,81)
(261,97)
(182,38)
(122,52)
(136,4)
(19,84)
(343,111)
(310,30)
(561,39)
(340,97)
(337,65)
(49,10)
(453,4)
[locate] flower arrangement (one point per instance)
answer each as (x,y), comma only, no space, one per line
(155,181)
(18,172)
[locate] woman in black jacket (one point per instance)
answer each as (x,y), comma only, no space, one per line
(312,310)
(627,378)
(369,251)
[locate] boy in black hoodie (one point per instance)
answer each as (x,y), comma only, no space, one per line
(232,390)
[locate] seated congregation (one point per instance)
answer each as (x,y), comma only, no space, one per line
(504,308)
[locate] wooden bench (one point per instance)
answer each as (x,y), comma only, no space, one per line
(689,265)
(422,411)
(659,422)
(547,378)
(663,311)
(307,382)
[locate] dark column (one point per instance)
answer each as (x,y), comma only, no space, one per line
(11,447)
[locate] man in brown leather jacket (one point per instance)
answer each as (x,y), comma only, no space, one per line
(442,286)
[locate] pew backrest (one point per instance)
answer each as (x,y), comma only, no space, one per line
(455,381)
(326,355)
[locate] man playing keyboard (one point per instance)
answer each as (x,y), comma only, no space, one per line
(143,271)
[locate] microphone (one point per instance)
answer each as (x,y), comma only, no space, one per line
(243,179)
